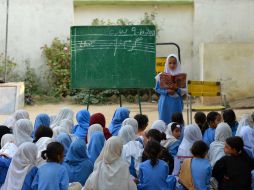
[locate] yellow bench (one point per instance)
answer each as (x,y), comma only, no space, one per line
(203,89)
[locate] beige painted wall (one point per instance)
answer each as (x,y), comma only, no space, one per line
(222,21)
(176,23)
(232,64)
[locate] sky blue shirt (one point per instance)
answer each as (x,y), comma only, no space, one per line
(51,176)
(208,136)
(4,166)
(29,179)
(201,171)
(153,178)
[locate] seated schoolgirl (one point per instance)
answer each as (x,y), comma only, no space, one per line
(77,163)
(154,134)
(153,173)
(196,172)
(142,125)
(173,134)
(229,117)
(52,175)
(22,169)
(200,120)
(213,119)
(233,171)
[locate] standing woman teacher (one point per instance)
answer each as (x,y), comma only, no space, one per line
(170,101)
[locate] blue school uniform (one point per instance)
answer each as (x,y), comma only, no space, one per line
(4,166)
(234,127)
(151,178)
(201,171)
(77,163)
(51,176)
(119,116)
(41,120)
(173,148)
(29,179)
(83,119)
(65,140)
(208,136)
(168,105)
(95,145)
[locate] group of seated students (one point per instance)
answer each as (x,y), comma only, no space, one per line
(55,154)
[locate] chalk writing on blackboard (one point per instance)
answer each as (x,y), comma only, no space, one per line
(117,44)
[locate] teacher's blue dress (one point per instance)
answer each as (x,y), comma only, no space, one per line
(168,105)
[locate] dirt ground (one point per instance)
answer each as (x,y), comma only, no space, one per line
(150,109)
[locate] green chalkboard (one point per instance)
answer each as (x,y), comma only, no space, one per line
(119,57)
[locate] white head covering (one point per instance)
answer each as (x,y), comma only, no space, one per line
(75,186)
(159,125)
(67,124)
(132,122)
(246,120)
(93,128)
(133,149)
(192,134)
(42,144)
(166,67)
(23,131)
(9,150)
(57,130)
(247,134)
(17,115)
(22,162)
(127,133)
(7,138)
(64,113)
(216,151)
(170,138)
(110,171)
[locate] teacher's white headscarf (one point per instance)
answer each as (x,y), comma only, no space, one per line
(22,162)
(168,70)
(192,133)
(216,151)
(23,131)
(110,171)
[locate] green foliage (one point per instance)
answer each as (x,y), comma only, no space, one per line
(31,81)
(11,75)
(58,60)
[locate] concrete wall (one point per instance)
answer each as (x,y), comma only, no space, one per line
(175,21)
(222,21)
(32,24)
(232,64)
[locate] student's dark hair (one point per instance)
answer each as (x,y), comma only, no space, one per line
(211,116)
(229,116)
(142,121)
(174,126)
(153,149)
(156,135)
(52,152)
(235,143)
(178,118)
(199,149)
(200,118)
(43,131)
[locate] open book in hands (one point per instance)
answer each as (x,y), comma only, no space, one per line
(173,82)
